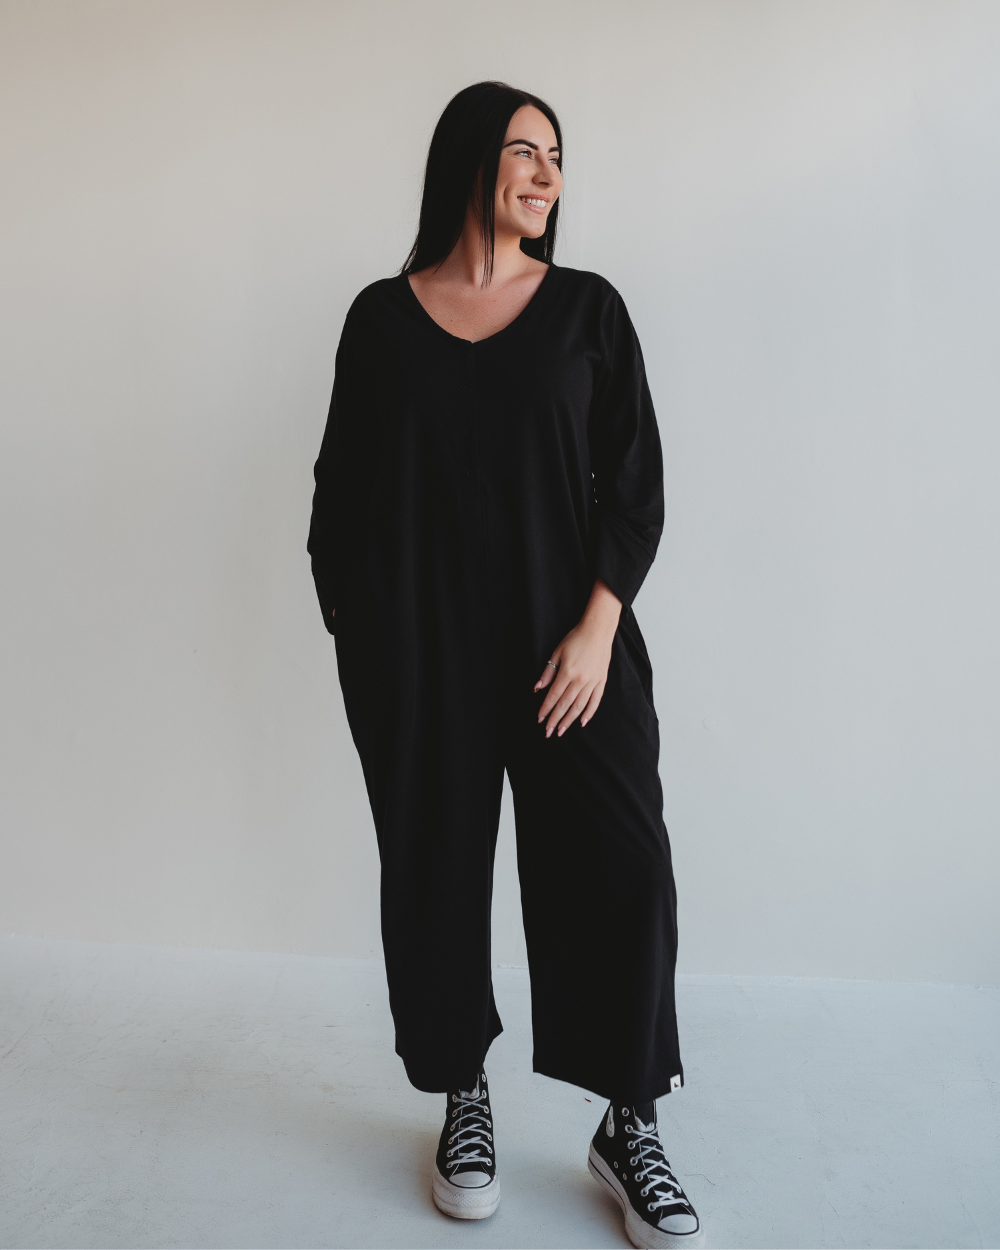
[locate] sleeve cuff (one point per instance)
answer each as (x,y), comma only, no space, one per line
(620,559)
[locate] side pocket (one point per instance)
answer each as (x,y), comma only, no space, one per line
(638,656)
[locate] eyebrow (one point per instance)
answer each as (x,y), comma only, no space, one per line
(528,144)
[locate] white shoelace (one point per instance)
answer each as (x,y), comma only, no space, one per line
(654,1168)
(469,1130)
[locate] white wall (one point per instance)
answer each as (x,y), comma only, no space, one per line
(799,202)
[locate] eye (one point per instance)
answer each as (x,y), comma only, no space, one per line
(523,152)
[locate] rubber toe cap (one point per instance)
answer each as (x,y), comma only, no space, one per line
(679,1223)
(470,1180)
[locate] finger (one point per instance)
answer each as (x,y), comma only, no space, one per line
(555,693)
(569,697)
(549,674)
(579,703)
(593,705)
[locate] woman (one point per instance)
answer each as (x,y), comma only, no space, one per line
(489,499)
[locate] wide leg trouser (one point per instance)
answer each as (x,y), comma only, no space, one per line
(597,887)
(597,894)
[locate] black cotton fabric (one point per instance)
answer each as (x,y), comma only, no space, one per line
(467,495)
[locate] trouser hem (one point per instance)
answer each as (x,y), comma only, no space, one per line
(649,1092)
(440,1080)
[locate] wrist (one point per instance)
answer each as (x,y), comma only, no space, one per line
(603,610)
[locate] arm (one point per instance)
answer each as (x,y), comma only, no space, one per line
(627,462)
(340,473)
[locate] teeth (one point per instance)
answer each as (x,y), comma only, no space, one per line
(527,199)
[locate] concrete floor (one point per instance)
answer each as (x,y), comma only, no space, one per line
(159,1097)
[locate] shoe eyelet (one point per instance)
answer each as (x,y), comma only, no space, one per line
(624,1110)
(649,1206)
(634,1160)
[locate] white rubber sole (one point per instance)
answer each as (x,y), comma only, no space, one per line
(640,1234)
(465,1204)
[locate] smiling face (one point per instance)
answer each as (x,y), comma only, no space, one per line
(529,179)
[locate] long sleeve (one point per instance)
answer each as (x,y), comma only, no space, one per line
(626,459)
(341,471)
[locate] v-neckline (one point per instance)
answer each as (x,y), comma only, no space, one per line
(489,337)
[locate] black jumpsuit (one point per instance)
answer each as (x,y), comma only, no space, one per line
(467,495)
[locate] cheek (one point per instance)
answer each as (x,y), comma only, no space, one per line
(507,203)
(506,192)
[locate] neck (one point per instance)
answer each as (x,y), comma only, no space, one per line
(466,263)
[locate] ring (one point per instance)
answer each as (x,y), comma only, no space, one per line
(555,666)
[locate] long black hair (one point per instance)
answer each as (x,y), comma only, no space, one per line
(462,166)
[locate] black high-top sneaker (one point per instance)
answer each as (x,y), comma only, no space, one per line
(466,1184)
(627,1159)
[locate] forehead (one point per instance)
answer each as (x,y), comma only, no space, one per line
(531,123)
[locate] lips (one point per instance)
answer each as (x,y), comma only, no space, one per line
(535,202)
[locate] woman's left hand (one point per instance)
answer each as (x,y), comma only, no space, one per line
(575,688)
